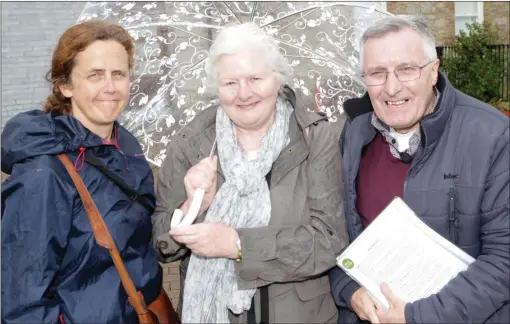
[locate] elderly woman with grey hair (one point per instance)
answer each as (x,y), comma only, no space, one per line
(271,219)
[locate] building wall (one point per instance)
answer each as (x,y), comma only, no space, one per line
(171,281)
(30,31)
(498,13)
(439,15)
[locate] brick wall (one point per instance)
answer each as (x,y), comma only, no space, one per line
(498,13)
(30,31)
(439,15)
(171,281)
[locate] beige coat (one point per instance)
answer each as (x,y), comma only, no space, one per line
(307,227)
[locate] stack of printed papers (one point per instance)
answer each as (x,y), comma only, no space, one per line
(399,249)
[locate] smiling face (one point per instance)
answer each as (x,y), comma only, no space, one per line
(247,89)
(400,105)
(99,87)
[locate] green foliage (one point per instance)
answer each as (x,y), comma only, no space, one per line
(471,65)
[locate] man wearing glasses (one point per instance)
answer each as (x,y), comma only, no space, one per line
(413,135)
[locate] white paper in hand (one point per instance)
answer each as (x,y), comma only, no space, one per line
(401,250)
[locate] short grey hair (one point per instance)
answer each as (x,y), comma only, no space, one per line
(396,24)
(236,38)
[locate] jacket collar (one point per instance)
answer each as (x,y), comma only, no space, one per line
(431,126)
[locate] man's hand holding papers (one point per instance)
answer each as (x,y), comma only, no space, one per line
(401,252)
(396,311)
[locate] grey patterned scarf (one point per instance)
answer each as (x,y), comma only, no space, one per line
(243,201)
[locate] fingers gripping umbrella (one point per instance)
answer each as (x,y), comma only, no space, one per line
(172,39)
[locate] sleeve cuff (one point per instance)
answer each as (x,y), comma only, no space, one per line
(258,245)
(168,249)
(165,244)
(348,291)
(409,312)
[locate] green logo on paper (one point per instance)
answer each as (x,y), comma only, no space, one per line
(348,264)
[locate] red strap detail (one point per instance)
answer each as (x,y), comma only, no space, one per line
(114,141)
(81,157)
(116,138)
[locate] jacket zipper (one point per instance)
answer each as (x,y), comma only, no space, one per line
(405,180)
(452,217)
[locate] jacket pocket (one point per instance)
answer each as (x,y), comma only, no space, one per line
(453,220)
(312,288)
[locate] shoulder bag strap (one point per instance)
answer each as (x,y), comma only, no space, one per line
(104,239)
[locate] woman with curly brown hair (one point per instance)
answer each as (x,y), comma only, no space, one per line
(53,269)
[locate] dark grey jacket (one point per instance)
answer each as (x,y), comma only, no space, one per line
(458,184)
(307,228)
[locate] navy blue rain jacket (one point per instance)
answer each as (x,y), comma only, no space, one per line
(52,268)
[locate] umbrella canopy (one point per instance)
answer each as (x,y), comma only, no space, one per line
(172,39)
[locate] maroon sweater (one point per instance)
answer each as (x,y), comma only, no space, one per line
(381,177)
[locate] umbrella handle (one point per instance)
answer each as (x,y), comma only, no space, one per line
(177,218)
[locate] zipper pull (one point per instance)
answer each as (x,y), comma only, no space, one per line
(451,202)
(453,230)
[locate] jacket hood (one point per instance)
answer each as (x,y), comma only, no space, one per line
(303,116)
(35,133)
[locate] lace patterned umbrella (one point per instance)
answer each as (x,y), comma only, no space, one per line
(319,40)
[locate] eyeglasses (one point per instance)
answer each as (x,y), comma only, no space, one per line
(403,74)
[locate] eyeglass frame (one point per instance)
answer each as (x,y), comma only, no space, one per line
(396,75)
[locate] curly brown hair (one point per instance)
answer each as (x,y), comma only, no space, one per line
(75,40)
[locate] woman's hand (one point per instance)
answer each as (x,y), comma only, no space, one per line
(213,240)
(202,175)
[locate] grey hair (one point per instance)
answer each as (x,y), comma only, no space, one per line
(248,36)
(396,24)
